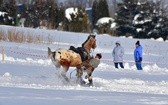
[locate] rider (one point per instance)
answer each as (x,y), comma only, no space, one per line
(89,67)
(96,61)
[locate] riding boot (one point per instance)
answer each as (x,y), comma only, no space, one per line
(90,82)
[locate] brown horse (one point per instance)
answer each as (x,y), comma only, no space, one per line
(69,58)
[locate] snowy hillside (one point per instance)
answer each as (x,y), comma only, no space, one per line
(28,77)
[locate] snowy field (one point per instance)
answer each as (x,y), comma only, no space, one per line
(28,77)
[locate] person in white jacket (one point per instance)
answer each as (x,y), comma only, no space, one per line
(117,54)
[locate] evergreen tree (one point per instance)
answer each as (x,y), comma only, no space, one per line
(156,23)
(99,10)
(150,20)
(103,9)
(11,10)
(1,2)
(78,22)
(164,28)
(53,14)
(124,17)
(94,13)
(163,20)
(61,16)
(143,19)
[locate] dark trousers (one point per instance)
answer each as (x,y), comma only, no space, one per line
(120,63)
(138,65)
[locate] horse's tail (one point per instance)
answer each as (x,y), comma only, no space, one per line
(49,52)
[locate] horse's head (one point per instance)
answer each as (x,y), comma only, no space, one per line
(52,56)
(92,39)
(90,43)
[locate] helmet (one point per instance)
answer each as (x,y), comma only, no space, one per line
(99,55)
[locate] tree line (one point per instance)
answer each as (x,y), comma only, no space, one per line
(137,18)
(145,19)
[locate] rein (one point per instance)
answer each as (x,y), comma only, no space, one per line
(71,73)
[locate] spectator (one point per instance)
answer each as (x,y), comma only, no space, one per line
(117,54)
(138,55)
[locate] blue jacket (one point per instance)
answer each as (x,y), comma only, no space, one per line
(138,54)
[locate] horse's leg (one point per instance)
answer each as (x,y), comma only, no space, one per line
(79,71)
(90,80)
(79,75)
(63,73)
(89,76)
(57,66)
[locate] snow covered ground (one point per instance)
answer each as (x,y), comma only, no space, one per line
(28,77)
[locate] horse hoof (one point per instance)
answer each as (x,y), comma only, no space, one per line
(82,82)
(67,80)
(90,84)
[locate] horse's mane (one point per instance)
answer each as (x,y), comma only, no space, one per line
(87,40)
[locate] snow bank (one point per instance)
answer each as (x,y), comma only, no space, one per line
(70,11)
(104,20)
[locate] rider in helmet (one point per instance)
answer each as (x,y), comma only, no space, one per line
(89,67)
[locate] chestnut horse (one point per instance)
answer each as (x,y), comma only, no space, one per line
(73,57)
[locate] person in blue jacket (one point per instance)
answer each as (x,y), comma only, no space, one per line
(138,55)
